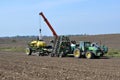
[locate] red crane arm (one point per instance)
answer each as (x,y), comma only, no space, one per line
(49,25)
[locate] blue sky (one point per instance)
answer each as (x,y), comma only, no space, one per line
(21,17)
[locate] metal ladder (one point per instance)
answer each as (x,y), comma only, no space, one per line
(56,46)
(58,43)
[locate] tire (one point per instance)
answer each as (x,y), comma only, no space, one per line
(77,53)
(89,55)
(28,51)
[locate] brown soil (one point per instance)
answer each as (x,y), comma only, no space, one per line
(19,66)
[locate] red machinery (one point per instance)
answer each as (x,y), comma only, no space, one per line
(49,25)
(61,45)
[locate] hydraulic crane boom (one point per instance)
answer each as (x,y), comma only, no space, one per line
(49,25)
(61,44)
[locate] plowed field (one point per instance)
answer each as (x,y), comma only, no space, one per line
(19,66)
(16,65)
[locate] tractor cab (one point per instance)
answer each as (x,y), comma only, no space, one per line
(84,45)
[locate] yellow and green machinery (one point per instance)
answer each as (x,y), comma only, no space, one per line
(38,46)
(62,46)
(89,50)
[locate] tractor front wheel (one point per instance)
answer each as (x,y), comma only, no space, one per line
(77,53)
(89,55)
(28,51)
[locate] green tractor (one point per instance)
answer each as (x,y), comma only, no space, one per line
(39,47)
(89,50)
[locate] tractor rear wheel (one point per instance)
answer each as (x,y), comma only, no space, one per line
(28,51)
(77,53)
(89,55)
